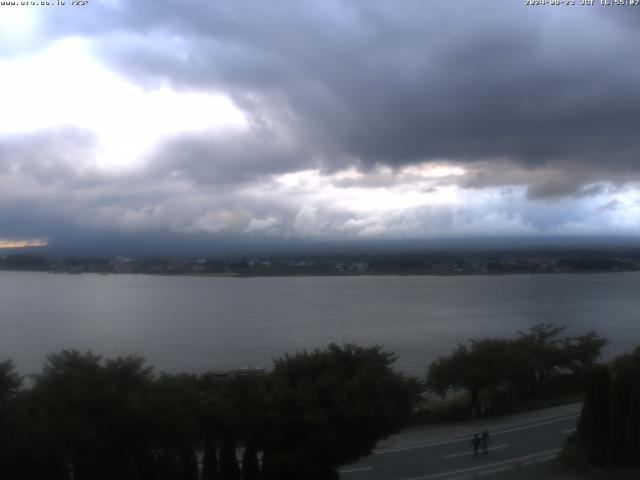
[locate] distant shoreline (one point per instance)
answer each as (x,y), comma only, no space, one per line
(311,275)
(340,265)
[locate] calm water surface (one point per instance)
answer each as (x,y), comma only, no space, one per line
(197,323)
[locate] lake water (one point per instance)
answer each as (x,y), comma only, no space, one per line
(198,323)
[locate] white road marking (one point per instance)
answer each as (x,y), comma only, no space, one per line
(482,467)
(496,470)
(524,427)
(353,470)
(571,430)
(545,459)
(466,439)
(471,453)
(427,445)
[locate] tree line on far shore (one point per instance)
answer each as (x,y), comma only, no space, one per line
(92,418)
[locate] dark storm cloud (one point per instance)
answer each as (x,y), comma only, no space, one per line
(561,188)
(545,99)
(384,83)
(553,180)
(231,158)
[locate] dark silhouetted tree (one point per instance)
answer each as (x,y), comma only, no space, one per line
(10,381)
(328,408)
(581,353)
(250,464)
(210,459)
(96,412)
(522,367)
(594,421)
(11,421)
(486,363)
(623,436)
(229,468)
(610,421)
(540,352)
(188,465)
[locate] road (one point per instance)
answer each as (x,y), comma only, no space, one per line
(515,443)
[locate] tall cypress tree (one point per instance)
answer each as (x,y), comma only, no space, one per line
(626,376)
(147,466)
(167,465)
(610,420)
(619,410)
(250,464)
(597,427)
(188,465)
(274,467)
(210,459)
(631,448)
(229,468)
(584,424)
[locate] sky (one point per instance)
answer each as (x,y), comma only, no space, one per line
(161,121)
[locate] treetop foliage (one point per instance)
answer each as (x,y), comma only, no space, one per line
(523,366)
(115,418)
(10,381)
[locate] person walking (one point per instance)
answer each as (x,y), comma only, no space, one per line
(476,444)
(484,443)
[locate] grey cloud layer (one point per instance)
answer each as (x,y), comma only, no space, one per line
(36,201)
(393,84)
(544,98)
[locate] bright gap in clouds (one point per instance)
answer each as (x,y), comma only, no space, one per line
(352,190)
(36,242)
(65,86)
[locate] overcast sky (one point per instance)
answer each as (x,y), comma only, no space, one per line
(336,120)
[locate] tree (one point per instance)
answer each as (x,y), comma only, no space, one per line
(581,353)
(631,446)
(231,404)
(593,426)
(209,459)
(250,464)
(176,404)
(446,373)
(327,408)
(623,434)
(188,464)
(522,367)
(540,352)
(10,381)
(94,412)
(10,384)
(609,424)
(487,363)
(229,468)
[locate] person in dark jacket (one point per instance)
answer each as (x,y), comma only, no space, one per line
(476,444)
(484,442)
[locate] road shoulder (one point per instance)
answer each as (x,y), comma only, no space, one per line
(424,435)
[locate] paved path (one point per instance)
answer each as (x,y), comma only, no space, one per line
(445,453)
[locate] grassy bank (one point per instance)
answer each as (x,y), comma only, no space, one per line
(457,409)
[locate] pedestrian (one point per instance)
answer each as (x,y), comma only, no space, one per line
(484,442)
(476,443)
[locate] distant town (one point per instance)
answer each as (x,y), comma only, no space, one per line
(463,263)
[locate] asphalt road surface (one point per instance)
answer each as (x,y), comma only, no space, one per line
(510,448)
